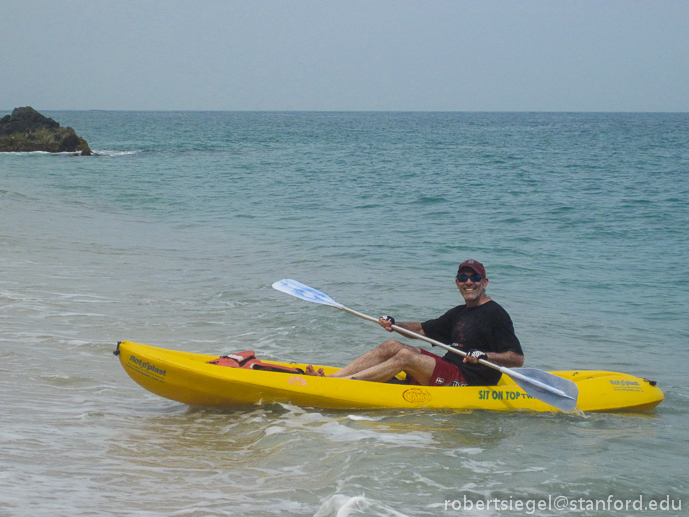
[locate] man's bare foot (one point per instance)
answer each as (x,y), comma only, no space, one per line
(310,371)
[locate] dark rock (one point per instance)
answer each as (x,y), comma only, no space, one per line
(26,130)
(23,120)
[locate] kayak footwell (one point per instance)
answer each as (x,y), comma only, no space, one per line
(188,378)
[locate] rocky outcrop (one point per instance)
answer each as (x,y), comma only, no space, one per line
(26,130)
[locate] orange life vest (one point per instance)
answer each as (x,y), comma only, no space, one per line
(248,361)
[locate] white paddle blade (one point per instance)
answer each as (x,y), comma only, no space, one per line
(305,292)
(551,389)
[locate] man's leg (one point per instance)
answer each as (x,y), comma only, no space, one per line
(378,355)
(408,359)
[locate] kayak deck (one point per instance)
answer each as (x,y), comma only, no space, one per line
(187,378)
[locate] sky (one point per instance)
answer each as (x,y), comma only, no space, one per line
(345,55)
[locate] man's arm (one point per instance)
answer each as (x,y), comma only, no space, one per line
(408,325)
(413,326)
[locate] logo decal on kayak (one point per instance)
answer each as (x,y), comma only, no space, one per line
(626,386)
(147,368)
(416,396)
(295,379)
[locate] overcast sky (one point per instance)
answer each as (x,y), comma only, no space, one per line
(409,55)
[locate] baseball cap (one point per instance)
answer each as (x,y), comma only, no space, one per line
(475,265)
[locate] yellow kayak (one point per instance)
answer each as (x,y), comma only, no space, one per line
(188,378)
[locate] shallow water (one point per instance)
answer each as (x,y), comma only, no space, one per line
(175,234)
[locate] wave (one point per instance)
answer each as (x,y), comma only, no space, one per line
(340,505)
(115,153)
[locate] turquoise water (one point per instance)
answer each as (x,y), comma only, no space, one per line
(175,234)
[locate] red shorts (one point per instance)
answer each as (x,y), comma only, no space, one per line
(444,373)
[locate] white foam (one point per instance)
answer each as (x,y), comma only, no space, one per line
(365,418)
(340,505)
(274,430)
(115,153)
(337,432)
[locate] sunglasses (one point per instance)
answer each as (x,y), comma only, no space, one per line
(474,278)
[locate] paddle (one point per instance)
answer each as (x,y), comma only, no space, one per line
(546,387)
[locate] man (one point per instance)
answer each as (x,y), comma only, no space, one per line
(480,327)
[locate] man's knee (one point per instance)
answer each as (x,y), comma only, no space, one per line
(389,349)
(407,355)
(392,346)
(412,361)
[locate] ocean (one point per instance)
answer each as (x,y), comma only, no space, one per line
(174,234)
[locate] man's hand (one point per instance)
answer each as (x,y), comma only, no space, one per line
(386,322)
(474,355)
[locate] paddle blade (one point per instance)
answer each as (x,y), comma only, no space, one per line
(305,292)
(551,389)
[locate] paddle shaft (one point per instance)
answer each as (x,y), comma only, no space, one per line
(508,371)
(414,335)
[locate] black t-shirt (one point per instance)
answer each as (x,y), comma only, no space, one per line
(487,327)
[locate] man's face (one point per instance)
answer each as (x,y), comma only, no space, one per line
(472,291)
